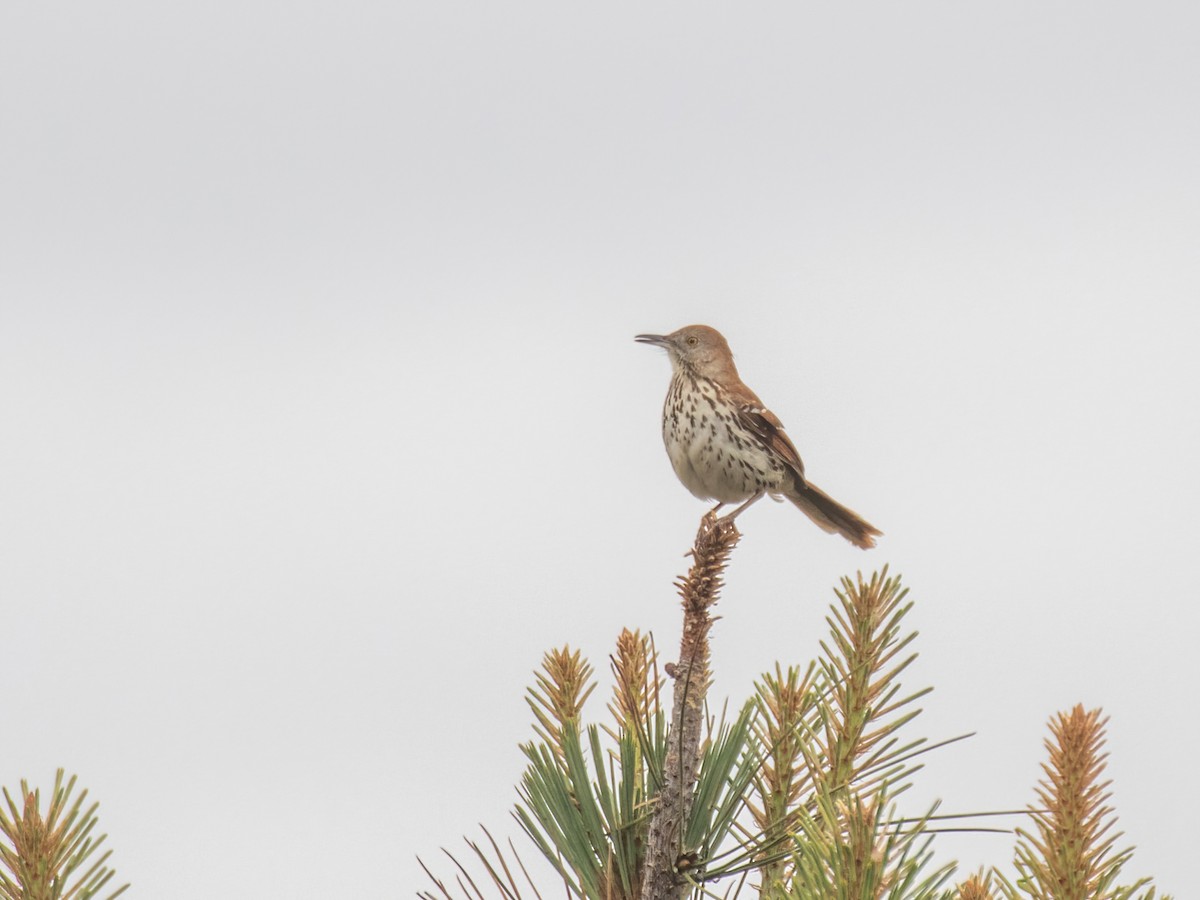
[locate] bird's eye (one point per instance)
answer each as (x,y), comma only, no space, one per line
(692,342)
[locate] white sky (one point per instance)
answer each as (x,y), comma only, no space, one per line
(323,419)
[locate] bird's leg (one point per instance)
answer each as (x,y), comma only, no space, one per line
(716,509)
(729,517)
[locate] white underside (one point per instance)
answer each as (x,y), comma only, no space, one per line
(710,474)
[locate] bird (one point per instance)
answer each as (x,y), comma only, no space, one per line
(725,445)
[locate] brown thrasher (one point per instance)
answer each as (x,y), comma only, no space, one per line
(726,446)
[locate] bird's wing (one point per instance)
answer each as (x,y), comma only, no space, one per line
(765,425)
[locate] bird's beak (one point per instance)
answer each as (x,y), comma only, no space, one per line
(659,340)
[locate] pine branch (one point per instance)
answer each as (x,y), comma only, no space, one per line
(562,688)
(976,887)
(1070,857)
(42,852)
(662,880)
(787,703)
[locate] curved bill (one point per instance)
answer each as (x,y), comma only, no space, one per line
(660,340)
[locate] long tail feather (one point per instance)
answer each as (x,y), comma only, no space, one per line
(833,517)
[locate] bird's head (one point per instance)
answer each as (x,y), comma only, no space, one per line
(697,349)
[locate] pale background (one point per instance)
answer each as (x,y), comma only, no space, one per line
(322,417)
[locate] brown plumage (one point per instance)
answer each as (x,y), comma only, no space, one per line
(727,446)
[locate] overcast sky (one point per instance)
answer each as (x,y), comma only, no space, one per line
(322,417)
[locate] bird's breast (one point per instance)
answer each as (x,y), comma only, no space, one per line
(712,454)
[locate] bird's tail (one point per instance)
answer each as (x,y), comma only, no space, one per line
(832,516)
